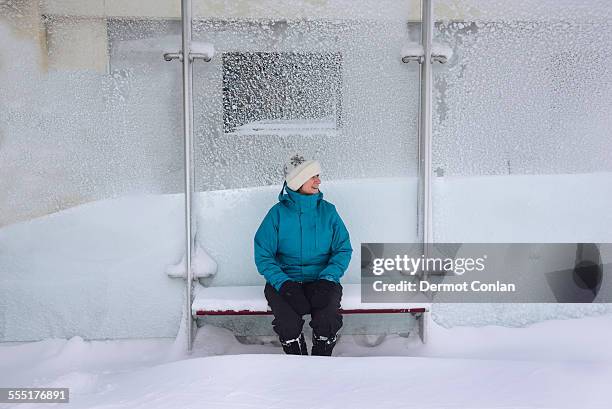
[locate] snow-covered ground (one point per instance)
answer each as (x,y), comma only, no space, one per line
(553,364)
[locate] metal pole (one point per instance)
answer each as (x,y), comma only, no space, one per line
(188,146)
(425,121)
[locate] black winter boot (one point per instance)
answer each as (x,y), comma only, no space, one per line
(323,346)
(296,346)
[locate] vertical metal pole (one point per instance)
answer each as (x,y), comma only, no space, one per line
(188,145)
(426,124)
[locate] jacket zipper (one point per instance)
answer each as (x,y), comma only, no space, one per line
(301,248)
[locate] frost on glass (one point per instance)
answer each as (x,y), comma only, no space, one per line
(81,119)
(90,171)
(527,98)
(528,90)
(334,89)
(276,92)
(522,133)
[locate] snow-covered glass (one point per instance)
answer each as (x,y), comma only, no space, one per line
(323,79)
(522,132)
(267,92)
(91,168)
(522,125)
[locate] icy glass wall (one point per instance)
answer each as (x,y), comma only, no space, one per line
(357,113)
(523,133)
(90,137)
(335,89)
(294,90)
(528,91)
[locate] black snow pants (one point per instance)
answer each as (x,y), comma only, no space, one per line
(288,324)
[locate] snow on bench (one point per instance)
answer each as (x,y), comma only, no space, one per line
(250,300)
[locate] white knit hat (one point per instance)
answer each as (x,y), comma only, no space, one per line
(298,170)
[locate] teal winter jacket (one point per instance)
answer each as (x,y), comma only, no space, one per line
(302,238)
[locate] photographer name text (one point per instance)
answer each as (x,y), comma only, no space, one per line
(423,286)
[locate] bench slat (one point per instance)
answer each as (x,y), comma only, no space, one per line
(342,311)
(250,300)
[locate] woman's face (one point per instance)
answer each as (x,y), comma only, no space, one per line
(311,186)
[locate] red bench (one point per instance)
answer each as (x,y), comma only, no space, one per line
(250,300)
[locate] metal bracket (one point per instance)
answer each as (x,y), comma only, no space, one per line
(192,57)
(441,53)
(199,56)
(200,51)
(173,56)
(413,52)
(442,59)
(410,58)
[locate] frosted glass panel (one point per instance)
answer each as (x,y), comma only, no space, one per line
(522,135)
(323,79)
(522,121)
(91,170)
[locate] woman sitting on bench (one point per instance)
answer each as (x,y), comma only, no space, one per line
(302,248)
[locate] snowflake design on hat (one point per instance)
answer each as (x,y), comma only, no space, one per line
(297,160)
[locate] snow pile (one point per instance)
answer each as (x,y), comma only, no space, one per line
(202,265)
(207,49)
(99,270)
(95,270)
(412,49)
(557,364)
(570,208)
(443,50)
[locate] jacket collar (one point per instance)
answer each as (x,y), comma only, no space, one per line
(297,200)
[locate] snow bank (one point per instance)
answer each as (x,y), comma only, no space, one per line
(95,270)
(569,208)
(556,364)
(99,270)
(261,381)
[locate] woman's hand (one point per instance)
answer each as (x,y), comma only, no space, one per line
(293,293)
(321,292)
